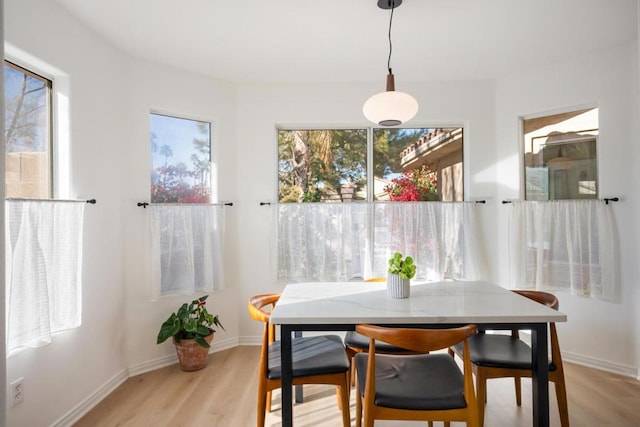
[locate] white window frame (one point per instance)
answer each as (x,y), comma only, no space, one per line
(370,164)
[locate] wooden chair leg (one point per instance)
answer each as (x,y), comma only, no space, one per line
(561,395)
(351,354)
(344,401)
(358,407)
(368,419)
(352,373)
(481,389)
(268,402)
(262,405)
(517,383)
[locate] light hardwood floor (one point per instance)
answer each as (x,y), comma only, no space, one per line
(224,394)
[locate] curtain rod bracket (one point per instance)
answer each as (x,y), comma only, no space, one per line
(143,204)
(612,199)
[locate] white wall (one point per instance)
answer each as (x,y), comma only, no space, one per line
(111,96)
(261,109)
(160,89)
(597,332)
(636,178)
(59,376)
(3,362)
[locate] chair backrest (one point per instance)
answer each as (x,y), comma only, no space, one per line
(551,301)
(541,297)
(258,303)
(419,340)
(424,341)
(260,308)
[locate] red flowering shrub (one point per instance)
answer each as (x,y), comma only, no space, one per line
(415,185)
(169,186)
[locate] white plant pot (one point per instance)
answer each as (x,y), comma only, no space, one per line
(397,287)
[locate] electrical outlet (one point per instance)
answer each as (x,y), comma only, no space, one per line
(17,391)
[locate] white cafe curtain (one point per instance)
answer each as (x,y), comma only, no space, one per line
(442,238)
(186,248)
(563,245)
(352,241)
(43,270)
(322,241)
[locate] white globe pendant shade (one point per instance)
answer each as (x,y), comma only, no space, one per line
(390,108)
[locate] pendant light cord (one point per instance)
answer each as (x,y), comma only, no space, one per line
(390,45)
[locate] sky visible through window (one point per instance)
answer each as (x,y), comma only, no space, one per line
(25,111)
(181,160)
(27,134)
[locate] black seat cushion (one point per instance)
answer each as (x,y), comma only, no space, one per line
(499,351)
(361,342)
(418,382)
(311,356)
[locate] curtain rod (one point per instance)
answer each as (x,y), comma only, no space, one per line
(145,204)
(380,201)
(17,199)
(605,200)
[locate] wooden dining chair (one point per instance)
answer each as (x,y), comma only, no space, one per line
(507,356)
(424,387)
(358,343)
(316,360)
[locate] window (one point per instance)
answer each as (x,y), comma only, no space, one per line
(334,240)
(560,155)
(326,165)
(180,160)
(187,228)
(418,164)
(330,165)
(28,159)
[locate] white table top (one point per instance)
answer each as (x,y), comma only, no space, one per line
(434,302)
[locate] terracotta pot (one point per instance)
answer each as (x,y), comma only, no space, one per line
(191,355)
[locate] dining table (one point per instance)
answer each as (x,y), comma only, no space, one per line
(340,306)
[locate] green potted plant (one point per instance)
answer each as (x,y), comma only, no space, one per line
(401,271)
(192,330)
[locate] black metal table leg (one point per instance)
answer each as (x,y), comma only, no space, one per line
(287,376)
(540,375)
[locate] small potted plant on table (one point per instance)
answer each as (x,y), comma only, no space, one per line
(192,331)
(401,271)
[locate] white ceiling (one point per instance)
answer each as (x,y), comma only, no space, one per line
(346,40)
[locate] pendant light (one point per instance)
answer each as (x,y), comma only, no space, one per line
(390,108)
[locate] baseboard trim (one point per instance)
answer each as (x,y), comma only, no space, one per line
(92,400)
(250,341)
(152,365)
(96,397)
(592,362)
(172,359)
(103,391)
(603,365)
